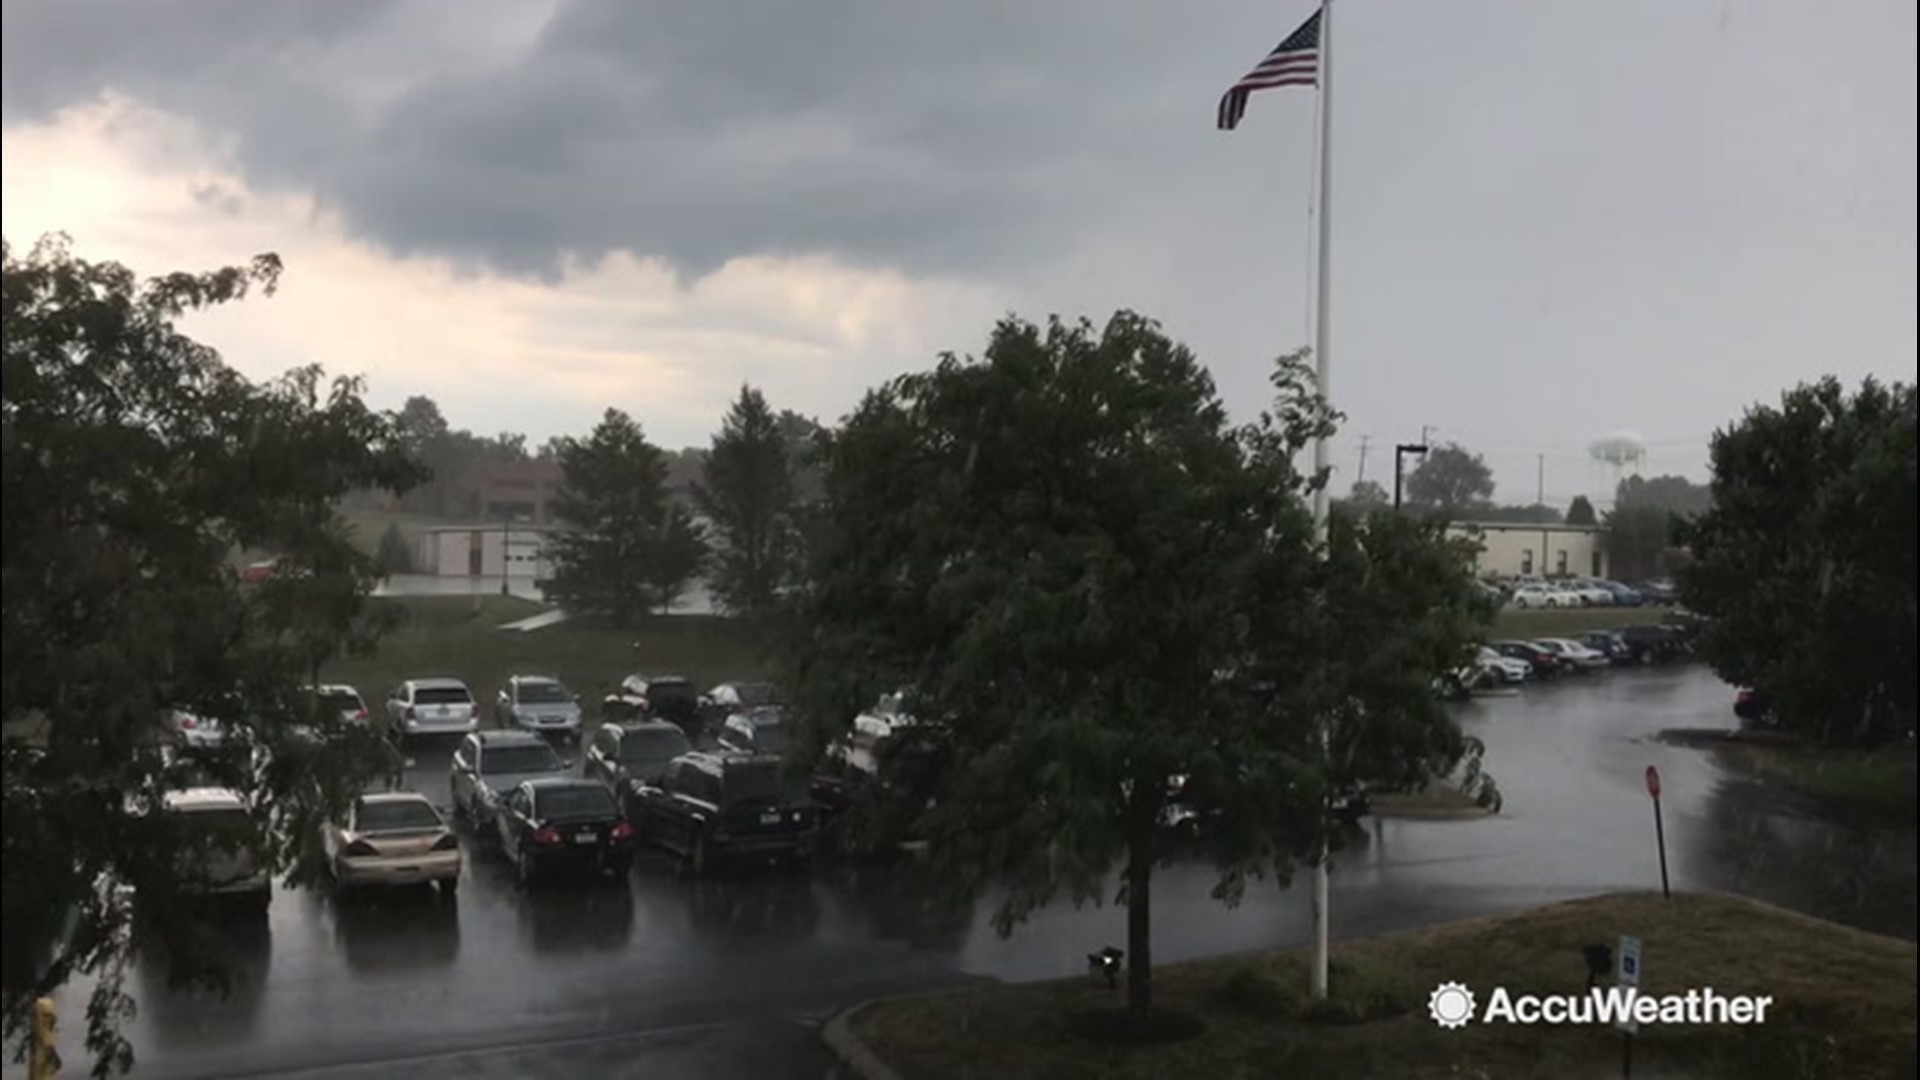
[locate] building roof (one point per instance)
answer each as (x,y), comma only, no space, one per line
(518,528)
(1520,527)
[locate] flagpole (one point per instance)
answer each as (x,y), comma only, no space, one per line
(1323,383)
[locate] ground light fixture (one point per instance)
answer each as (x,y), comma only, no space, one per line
(1106,962)
(1599,963)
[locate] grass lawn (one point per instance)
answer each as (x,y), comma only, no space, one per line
(459,636)
(1880,782)
(1843,1005)
(1513,623)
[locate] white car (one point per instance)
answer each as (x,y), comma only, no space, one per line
(195,730)
(1538,594)
(1573,654)
(346,699)
(223,855)
(431,707)
(393,838)
(1510,669)
(1590,593)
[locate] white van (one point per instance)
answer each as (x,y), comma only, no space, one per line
(221,853)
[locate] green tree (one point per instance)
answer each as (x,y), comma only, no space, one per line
(1451,482)
(1580,512)
(1804,565)
(1090,584)
(135,462)
(1366,495)
(1638,537)
(1674,494)
(627,547)
(393,555)
(748,497)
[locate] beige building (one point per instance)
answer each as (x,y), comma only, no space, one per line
(1509,550)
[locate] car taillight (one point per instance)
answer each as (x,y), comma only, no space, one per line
(361,847)
(408,713)
(546,836)
(448,842)
(360,714)
(188,722)
(622,831)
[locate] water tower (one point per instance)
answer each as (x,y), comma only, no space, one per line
(1616,457)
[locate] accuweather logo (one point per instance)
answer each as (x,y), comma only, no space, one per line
(1453,1005)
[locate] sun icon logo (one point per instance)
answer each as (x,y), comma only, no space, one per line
(1450,1005)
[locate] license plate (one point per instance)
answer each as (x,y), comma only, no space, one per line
(770,819)
(586,838)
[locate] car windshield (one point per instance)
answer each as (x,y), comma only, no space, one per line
(751,694)
(387,816)
(653,744)
(544,693)
(748,781)
(225,825)
(769,738)
(499,760)
(441,695)
(573,803)
(341,701)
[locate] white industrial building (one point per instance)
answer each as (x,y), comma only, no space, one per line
(494,550)
(1512,550)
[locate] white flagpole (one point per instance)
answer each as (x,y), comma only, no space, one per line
(1323,383)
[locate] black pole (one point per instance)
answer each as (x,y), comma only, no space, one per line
(1626,1057)
(1660,836)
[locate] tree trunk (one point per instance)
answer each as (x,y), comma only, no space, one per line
(1139,919)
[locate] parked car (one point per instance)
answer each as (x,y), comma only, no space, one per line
(1658,591)
(538,703)
(1753,708)
(626,756)
(431,707)
(755,731)
(1539,594)
(659,697)
(1545,664)
(224,853)
(1653,644)
(1586,593)
(342,699)
(488,764)
(1623,595)
(392,839)
(192,729)
(1573,655)
(1608,643)
(731,697)
(714,807)
(562,823)
(1510,669)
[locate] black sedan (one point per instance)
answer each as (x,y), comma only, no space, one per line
(559,824)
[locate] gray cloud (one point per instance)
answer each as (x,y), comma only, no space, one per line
(1554,217)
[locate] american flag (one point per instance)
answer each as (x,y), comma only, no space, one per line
(1295,63)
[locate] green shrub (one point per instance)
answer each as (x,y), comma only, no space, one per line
(1261,992)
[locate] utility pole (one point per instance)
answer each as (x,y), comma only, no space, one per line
(1399,471)
(1426,434)
(1540,499)
(1360,477)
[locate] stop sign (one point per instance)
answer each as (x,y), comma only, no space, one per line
(1653,781)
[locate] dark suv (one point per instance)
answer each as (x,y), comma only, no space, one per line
(714,807)
(672,698)
(627,756)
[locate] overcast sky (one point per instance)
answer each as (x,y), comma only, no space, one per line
(1553,219)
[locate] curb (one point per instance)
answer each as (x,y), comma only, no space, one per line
(848,1047)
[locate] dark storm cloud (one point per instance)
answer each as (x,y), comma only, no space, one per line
(932,136)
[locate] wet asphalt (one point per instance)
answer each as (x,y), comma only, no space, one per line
(665,977)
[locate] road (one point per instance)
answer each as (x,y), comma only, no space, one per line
(666,977)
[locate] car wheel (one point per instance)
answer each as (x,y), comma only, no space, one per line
(697,858)
(1520,602)
(449,887)
(523,868)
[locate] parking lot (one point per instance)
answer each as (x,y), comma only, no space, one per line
(665,976)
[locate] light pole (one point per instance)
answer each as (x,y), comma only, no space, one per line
(1400,453)
(506,553)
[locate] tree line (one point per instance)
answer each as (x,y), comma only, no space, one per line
(1642,529)
(1107,606)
